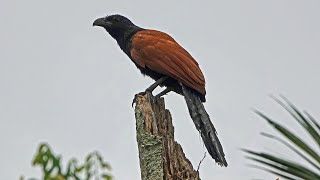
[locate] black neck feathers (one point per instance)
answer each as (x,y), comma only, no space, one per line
(123,37)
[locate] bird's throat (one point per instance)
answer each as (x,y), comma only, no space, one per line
(124,39)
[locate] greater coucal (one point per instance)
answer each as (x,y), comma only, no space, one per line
(159,56)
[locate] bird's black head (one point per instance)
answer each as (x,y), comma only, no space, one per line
(120,28)
(117,26)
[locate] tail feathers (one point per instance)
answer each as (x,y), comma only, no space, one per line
(203,124)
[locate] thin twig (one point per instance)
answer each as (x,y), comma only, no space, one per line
(204,156)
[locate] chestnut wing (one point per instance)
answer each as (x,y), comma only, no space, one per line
(162,54)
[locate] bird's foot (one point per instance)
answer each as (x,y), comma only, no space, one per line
(151,88)
(164,92)
(136,96)
(152,98)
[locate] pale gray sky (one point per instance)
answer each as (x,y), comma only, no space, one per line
(66,83)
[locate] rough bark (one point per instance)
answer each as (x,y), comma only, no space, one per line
(161,158)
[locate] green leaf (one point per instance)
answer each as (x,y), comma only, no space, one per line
(51,167)
(286,176)
(106,176)
(106,166)
(290,165)
(283,168)
(313,121)
(292,137)
(80,168)
(301,119)
(292,148)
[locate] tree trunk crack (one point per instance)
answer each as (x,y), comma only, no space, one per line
(161,157)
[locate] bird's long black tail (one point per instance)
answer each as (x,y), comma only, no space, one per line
(204,125)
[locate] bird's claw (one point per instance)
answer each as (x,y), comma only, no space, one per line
(136,96)
(152,98)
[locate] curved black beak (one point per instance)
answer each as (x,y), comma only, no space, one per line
(101,22)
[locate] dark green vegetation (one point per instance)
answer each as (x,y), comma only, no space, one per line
(94,166)
(309,166)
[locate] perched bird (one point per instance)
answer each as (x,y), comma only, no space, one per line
(158,55)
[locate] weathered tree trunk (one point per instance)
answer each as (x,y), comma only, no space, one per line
(161,158)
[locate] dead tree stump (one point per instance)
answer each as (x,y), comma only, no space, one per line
(161,157)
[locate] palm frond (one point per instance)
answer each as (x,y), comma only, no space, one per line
(292,148)
(283,167)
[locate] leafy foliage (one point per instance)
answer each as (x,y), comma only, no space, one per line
(94,166)
(283,167)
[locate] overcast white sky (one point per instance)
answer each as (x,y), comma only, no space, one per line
(66,83)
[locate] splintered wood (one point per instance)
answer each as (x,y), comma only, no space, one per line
(161,158)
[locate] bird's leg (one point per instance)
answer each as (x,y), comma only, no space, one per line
(151,88)
(156,84)
(164,92)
